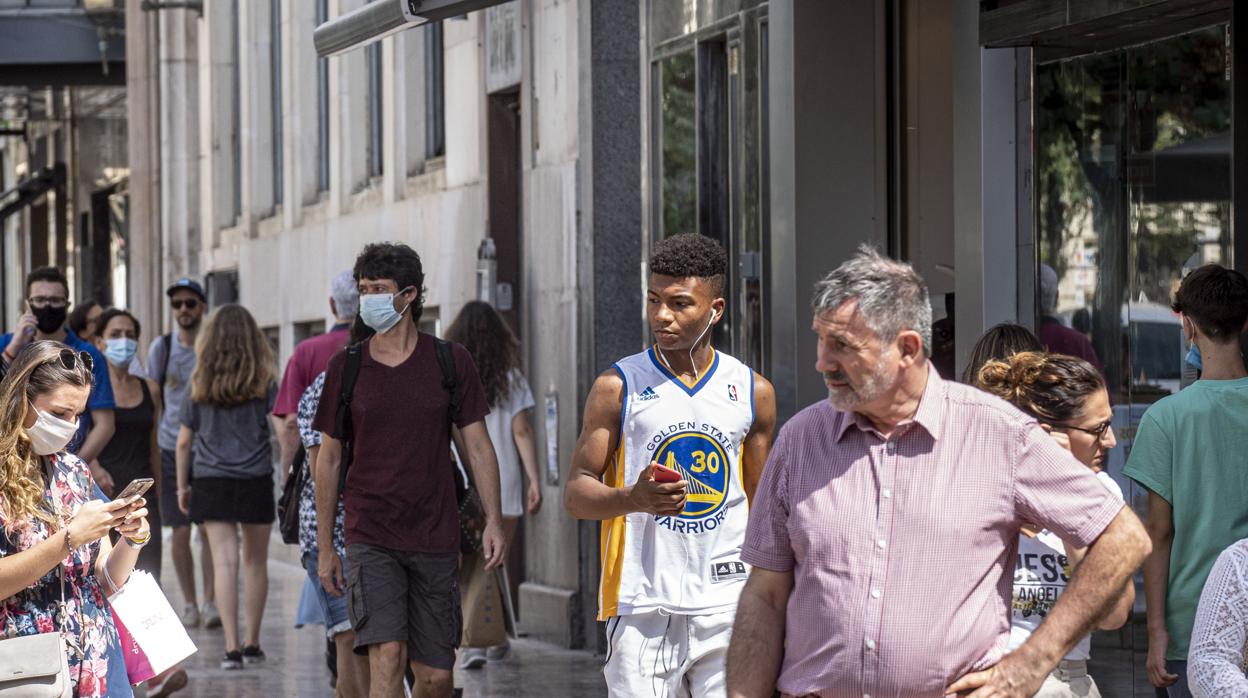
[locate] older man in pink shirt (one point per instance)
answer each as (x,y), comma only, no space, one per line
(884,529)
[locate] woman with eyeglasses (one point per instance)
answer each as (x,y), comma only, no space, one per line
(1068,397)
(54,523)
(225,433)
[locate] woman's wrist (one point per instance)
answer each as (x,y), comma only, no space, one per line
(138,542)
(69,542)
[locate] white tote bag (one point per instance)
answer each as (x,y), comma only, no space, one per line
(149,619)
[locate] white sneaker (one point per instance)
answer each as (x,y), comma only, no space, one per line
(498,652)
(190,616)
(212,619)
(472,658)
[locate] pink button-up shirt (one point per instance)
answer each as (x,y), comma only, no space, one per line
(902,548)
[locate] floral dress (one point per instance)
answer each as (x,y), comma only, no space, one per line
(90,633)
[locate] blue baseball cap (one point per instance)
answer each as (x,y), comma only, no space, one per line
(188,284)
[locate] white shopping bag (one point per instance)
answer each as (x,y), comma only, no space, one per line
(158,639)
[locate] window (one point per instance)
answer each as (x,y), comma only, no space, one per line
(372,58)
(308,330)
(275,81)
(677,144)
(322,106)
(435,126)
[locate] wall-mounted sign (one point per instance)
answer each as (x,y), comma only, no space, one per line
(552,437)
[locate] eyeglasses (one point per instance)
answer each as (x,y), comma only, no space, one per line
(188,303)
(1098,432)
(70,358)
(47,302)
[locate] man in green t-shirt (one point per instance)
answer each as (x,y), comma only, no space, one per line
(1191,452)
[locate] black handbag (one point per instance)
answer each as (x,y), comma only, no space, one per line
(288,503)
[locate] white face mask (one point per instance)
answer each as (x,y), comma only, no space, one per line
(50,434)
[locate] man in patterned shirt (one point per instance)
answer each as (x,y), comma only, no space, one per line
(352,668)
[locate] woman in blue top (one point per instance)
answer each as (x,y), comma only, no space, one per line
(50,519)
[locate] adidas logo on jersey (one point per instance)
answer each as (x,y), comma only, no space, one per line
(648,394)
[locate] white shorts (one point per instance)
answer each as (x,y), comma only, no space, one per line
(657,655)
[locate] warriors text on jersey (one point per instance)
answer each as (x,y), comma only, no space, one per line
(690,563)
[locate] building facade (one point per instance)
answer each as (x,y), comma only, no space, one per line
(994,145)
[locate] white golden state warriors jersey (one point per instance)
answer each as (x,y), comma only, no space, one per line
(691,563)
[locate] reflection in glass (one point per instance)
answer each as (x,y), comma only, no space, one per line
(1132,172)
(678,143)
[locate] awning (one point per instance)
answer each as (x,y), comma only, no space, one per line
(382,18)
(57,47)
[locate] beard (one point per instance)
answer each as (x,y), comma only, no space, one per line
(848,398)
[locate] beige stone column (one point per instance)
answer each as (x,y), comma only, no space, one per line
(143,136)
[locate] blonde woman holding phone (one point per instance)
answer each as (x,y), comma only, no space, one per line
(53,524)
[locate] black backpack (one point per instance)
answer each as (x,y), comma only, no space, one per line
(471,512)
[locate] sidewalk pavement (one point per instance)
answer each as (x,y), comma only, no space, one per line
(296,657)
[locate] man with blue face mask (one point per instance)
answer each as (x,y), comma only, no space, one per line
(1188,453)
(47,300)
(401,524)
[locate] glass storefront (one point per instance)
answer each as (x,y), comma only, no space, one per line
(707,151)
(1132,166)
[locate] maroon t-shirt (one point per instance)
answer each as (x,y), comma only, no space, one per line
(400,491)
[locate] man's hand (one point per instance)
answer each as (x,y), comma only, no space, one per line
(329,569)
(1013,677)
(493,545)
(658,498)
(102,477)
(22,334)
(1156,664)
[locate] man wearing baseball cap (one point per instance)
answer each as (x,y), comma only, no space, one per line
(170,362)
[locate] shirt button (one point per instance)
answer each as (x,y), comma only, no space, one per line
(866,695)
(892,447)
(881,544)
(870,644)
(887,493)
(875,593)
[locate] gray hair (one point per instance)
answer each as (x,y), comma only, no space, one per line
(346,294)
(891,295)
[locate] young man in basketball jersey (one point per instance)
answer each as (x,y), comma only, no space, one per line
(671,551)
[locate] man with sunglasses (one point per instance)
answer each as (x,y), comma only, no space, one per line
(1189,453)
(170,362)
(47,308)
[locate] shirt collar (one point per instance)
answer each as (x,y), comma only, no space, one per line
(340,327)
(929,414)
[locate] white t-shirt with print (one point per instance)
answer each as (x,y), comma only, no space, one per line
(1041,573)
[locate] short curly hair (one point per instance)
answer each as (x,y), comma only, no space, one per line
(396,261)
(691,255)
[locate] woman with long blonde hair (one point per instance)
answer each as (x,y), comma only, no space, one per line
(225,426)
(53,526)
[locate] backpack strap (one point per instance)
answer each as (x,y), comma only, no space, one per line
(446,361)
(342,418)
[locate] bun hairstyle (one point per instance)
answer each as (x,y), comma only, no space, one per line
(1050,387)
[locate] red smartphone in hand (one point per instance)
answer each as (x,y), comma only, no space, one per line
(663,473)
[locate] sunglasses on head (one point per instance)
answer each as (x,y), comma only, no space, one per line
(188,303)
(70,358)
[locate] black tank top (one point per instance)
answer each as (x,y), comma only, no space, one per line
(128,453)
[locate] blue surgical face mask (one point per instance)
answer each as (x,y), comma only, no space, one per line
(120,351)
(1193,356)
(377,311)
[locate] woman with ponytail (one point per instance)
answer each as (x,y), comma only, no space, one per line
(1068,397)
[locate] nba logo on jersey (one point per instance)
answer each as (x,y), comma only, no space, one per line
(732,392)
